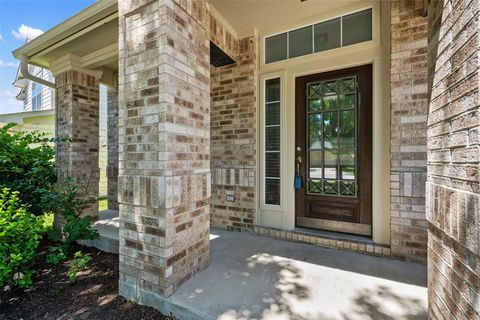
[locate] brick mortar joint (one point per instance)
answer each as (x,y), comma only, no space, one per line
(452,189)
(444,234)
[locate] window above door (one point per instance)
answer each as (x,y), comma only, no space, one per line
(330,34)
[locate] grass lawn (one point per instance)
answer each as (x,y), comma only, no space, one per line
(102,204)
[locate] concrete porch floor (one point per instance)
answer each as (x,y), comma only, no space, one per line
(256,277)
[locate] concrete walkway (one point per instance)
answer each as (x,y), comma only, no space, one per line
(255,277)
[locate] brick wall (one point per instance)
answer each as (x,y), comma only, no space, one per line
(408,130)
(77,119)
(222,37)
(164,146)
(453,186)
(233,140)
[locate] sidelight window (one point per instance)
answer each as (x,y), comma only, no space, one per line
(272,141)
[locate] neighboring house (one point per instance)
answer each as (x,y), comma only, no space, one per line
(216,109)
(35,97)
(38,100)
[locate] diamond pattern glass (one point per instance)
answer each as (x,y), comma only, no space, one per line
(331,128)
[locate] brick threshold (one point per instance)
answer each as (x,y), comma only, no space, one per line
(329,240)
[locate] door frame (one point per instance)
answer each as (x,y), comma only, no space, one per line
(362,223)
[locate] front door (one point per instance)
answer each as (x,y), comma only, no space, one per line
(333,135)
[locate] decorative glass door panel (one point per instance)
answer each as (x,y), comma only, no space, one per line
(333,150)
(331,128)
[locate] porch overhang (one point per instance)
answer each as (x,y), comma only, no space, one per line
(87,40)
(246,16)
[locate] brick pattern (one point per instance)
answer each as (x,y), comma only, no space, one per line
(112,148)
(363,247)
(408,130)
(164,146)
(77,121)
(224,39)
(233,140)
(453,185)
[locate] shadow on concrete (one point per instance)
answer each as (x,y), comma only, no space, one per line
(253,277)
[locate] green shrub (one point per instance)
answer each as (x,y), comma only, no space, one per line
(77,264)
(56,255)
(20,233)
(70,199)
(27,166)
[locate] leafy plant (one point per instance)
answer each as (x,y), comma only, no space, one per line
(27,166)
(20,234)
(77,264)
(70,200)
(56,255)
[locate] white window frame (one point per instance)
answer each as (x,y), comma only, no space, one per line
(36,96)
(262,135)
(313,37)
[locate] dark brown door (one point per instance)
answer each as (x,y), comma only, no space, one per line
(333,134)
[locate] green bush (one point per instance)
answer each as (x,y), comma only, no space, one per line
(77,264)
(20,233)
(56,255)
(70,198)
(27,169)
(27,166)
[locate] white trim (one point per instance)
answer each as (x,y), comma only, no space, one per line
(97,11)
(376,52)
(270,208)
(72,62)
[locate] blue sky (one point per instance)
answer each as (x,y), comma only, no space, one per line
(26,18)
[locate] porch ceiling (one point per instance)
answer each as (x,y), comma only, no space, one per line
(91,35)
(245,15)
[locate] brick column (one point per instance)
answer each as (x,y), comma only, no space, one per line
(77,113)
(164,138)
(112,148)
(453,186)
(408,130)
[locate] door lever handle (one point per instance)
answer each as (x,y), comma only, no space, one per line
(298,175)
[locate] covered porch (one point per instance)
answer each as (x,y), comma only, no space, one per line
(253,276)
(188,151)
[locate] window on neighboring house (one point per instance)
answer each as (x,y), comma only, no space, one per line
(36,96)
(335,33)
(272,141)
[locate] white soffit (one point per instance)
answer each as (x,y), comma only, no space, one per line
(246,15)
(91,31)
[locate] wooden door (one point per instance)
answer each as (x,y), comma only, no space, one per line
(333,135)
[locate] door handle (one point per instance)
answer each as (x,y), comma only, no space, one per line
(298,174)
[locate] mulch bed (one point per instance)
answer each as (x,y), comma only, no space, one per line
(53,297)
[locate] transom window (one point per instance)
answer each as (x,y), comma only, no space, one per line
(335,33)
(36,96)
(331,128)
